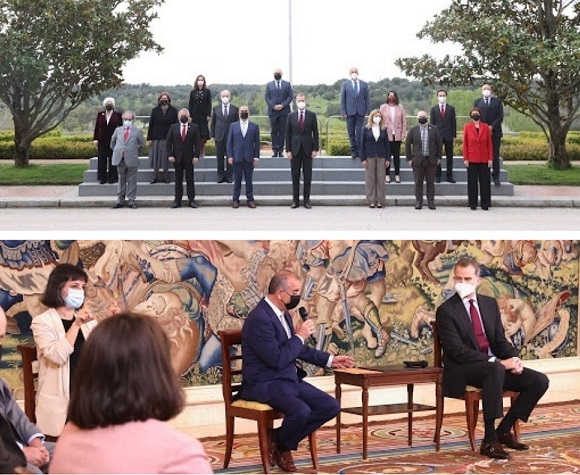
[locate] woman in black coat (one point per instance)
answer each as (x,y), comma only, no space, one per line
(160,121)
(200,109)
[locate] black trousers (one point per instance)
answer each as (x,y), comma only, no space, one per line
(184,166)
(395,148)
(278,131)
(496,142)
(478,174)
(105,171)
(448,146)
(298,162)
(224,169)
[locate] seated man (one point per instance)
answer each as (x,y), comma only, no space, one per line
(270,347)
(27,435)
(477,353)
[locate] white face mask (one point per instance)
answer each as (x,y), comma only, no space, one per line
(442,99)
(376,119)
(354,76)
(301,105)
(74,298)
(200,83)
(486,93)
(463,289)
(225,100)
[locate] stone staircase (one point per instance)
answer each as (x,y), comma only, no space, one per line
(337,180)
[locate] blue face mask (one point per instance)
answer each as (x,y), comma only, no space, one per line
(75,298)
(128,123)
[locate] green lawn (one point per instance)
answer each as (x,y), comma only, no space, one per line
(72,174)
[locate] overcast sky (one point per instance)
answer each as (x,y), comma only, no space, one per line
(233,41)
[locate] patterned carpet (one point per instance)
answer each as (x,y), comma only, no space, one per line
(553,433)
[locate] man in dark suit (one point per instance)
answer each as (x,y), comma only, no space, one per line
(423,151)
(222,117)
(443,117)
(243,149)
(301,148)
(278,96)
(270,348)
(492,114)
(105,124)
(183,147)
(354,105)
(477,353)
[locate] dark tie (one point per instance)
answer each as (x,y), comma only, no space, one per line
(443,112)
(355,87)
(183,132)
(225,111)
(126,134)
(478,328)
(486,101)
(278,85)
(301,121)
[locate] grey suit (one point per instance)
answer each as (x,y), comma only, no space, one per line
(424,166)
(492,114)
(354,104)
(24,430)
(219,129)
(126,158)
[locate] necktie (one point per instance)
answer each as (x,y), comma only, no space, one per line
(486,101)
(278,85)
(225,111)
(443,112)
(355,87)
(126,134)
(478,328)
(301,120)
(183,132)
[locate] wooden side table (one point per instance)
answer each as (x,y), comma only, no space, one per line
(389,376)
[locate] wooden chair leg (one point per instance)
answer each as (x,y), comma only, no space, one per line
(229,440)
(313,449)
(471,421)
(264,441)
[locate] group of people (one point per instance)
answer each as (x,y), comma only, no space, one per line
(179,138)
(108,387)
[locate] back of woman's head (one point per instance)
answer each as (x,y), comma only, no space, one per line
(124,374)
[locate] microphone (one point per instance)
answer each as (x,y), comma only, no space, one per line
(303,313)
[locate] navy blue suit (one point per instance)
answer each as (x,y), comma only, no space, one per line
(243,150)
(447,127)
(354,105)
(270,375)
(278,119)
(492,114)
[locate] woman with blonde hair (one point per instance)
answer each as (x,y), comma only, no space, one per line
(374,154)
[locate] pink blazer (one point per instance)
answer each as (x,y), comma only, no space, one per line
(398,127)
(135,447)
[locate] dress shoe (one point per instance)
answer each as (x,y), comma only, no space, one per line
(133,205)
(117,205)
(379,205)
(473,208)
(294,205)
(229,179)
(372,205)
(251,204)
(397,179)
(418,206)
(192,204)
(285,462)
(509,440)
(176,204)
(496,182)
(438,179)
(102,182)
(432,206)
(485,208)
(353,156)
(493,450)
(155,180)
(236,204)
(307,205)
(450,179)
(167,180)
(275,155)
(387,179)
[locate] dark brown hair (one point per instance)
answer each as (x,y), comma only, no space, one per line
(166,94)
(201,76)
(475,109)
(124,374)
(57,279)
(395,95)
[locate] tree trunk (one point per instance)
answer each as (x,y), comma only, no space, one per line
(558,156)
(22,147)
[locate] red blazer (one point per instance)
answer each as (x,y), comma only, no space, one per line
(103,131)
(477,147)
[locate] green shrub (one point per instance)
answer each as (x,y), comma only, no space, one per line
(338,147)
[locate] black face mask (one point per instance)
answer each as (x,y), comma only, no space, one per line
(277,77)
(475,117)
(244,115)
(109,107)
(423,120)
(163,102)
(294,301)
(183,119)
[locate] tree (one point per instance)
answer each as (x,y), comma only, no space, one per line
(58,53)
(528,49)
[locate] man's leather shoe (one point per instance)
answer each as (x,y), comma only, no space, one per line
(450,179)
(473,208)
(176,204)
(133,205)
(432,206)
(229,179)
(509,440)
(102,182)
(153,181)
(438,179)
(117,205)
(285,462)
(192,204)
(294,205)
(493,450)
(251,204)
(307,205)
(496,182)
(418,206)
(236,204)
(485,208)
